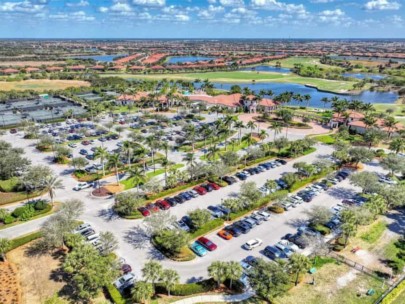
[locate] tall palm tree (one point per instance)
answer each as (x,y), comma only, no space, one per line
(391,124)
(286,116)
(153,145)
(369,120)
(299,263)
(152,272)
(239,125)
(276,127)
(212,152)
(113,162)
(263,135)
(142,292)
(233,272)
(137,175)
(101,153)
(170,278)
(325,101)
(307,99)
(217,270)
(251,125)
(128,151)
(51,185)
(397,145)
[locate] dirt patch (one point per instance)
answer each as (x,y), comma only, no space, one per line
(346,279)
(29,63)
(37,274)
(10,291)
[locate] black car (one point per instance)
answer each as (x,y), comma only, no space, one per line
(172,202)
(251,260)
(298,240)
(187,220)
(252,171)
(281,161)
(179,199)
(234,230)
(287,236)
(207,187)
(307,198)
(229,180)
(243,226)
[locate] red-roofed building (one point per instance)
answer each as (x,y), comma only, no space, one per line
(9,71)
(32,70)
(54,69)
(77,68)
(97,67)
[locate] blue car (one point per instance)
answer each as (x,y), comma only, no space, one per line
(241,176)
(198,249)
(185,195)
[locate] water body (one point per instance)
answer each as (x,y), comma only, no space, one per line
(364,76)
(366,58)
(101,58)
(182,59)
(316,96)
(268,68)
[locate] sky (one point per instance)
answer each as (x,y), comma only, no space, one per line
(202,19)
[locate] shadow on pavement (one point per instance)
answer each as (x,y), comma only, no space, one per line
(341,193)
(138,237)
(108,215)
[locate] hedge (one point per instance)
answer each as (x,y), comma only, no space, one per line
(303,182)
(17,242)
(189,289)
(391,297)
(276,209)
(208,227)
(114,295)
(321,229)
(177,189)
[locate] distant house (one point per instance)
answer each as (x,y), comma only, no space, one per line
(354,121)
(97,68)
(9,71)
(77,68)
(54,69)
(32,70)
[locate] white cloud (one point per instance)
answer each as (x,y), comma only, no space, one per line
(380,5)
(232,3)
(275,5)
(75,16)
(103,9)
(81,3)
(21,7)
(336,17)
(149,2)
(210,12)
(121,7)
(322,1)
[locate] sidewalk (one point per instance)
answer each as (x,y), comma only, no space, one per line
(216,298)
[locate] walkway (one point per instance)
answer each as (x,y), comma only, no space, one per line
(216,298)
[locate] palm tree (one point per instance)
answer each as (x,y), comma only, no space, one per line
(299,263)
(233,272)
(325,100)
(390,123)
(369,120)
(5,245)
(51,185)
(239,125)
(153,145)
(397,145)
(170,278)
(128,151)
(137,175)
(212,152)
(251,125)
(142,292)
(152,272)
(307,98)
(140,151)
(114,162)
(276,127)
(217,270)
(286,116)
(263,135)
(101,153)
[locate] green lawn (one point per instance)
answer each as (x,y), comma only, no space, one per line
(291,61)
(235,148)
(400,299)
(248,77)
(9,184)
(326,139)
(383,107)
(374,232)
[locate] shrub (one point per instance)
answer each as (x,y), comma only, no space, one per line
(338,247)
(321,229)
(40,205)
(19,211)
(209,226)
(189,289)
(393,295)
(17,242)
(9,219)
(379,153)
(276,209)
(114,295)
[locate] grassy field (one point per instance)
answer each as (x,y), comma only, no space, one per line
(335,284)
(291,61)
(249,77)
(397,108)
(374,233)
(41,84)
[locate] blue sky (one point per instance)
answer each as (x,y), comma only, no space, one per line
(202,19)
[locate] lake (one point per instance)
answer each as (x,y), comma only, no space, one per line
(268,68)
(182,59)
(277,88)
(102,58)
(364,76)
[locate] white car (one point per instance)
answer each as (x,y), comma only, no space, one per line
(125,280)
(252,244)
(289,245)
(72,145)
(81,186)
(264,214)
(82,227)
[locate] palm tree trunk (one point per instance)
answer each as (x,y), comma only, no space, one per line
(296,278)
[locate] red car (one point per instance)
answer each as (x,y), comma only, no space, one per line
(215,186)
(152,207)
(162,204)
(144,211)
(207,243)
(200,190)
(126,268)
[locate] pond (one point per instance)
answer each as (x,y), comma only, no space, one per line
(102,58)
(364,76)
(182,59)
(316,96)
(267,68)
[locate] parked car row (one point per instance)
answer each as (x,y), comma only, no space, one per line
(90,235)
(169,202)
(243,175)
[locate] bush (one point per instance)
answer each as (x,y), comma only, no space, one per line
(40,205)
(209,226)
(379,153)
(114,295)
(9,219)
(189,289)
(18,212)
(17,242)
(276,209)
(338,247)
(321,229)
(393,295)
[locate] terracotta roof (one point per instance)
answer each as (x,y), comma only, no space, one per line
(9,71)
(77,67)
(136,67)
(29,69)
(54,68)
(97,67)
(128,58)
